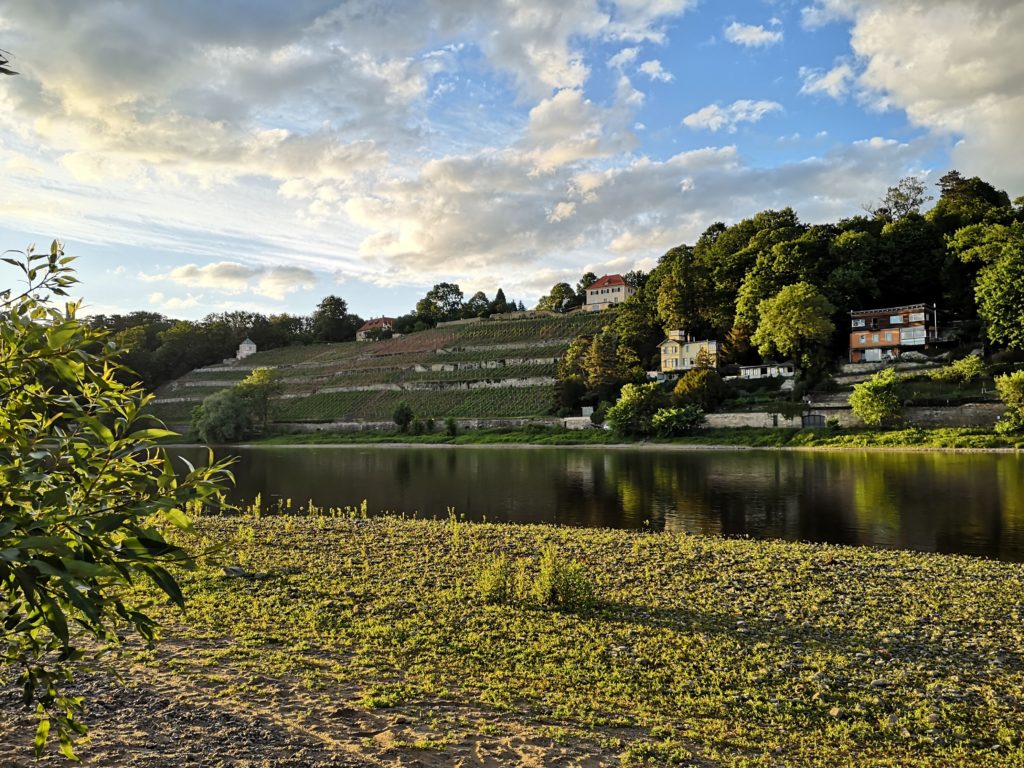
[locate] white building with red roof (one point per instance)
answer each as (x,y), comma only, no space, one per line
(607,292)
(372,328)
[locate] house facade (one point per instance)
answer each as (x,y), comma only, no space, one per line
(607,292)
(886,333)
(371,328)
(768,371)
(246,348)
(679,352)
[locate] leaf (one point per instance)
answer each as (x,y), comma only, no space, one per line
(55,620)
(152,434)
(59,338)
(42,734)
(67,747)
(166,582)
(180,520)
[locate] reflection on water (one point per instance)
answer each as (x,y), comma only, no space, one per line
(968,503)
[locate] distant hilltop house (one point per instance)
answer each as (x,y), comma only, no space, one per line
(885,334)
(374,328)
(246,348)
(680,350)
(768,371)
(607,292)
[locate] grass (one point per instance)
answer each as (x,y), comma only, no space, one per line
(696,651)
(749,437)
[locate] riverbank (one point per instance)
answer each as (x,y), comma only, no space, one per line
(831,439)
(371,640)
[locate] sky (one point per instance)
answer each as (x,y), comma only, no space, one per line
(201,156)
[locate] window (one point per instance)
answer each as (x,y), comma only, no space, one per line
(874,338)
(896,319)
(917,317)
(888,335)
(863,338)
(858,323)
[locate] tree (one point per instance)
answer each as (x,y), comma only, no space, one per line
(702,387)
(633,414)
(477,306)
(500,304)
(258,391)
(87,496)
(795,324)
(999,287)
(905,198)
(223,417)
(442,303)
(877,401)
(331,321)
(587,280)
(403,416)
(561,298)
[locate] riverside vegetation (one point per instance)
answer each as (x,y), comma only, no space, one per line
(657,649)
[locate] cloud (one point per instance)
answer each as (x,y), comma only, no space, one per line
(623,57)
(172,303)
(714,117)
(752,36)
(235,278)
(954,67)
(654,71)
(836,82)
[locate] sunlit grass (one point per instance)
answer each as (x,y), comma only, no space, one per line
(728,652)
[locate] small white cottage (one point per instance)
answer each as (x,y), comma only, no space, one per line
(246,348)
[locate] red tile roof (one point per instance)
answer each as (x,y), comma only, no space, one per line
(379,322)
(607,280)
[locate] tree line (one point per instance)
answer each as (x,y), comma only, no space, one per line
(772,286)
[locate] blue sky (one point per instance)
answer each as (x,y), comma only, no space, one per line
(200,157)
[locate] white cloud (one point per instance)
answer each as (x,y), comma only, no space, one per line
(714,117)
(654,71)
(954,67)
(234,278)
(623,57)
(752,36)
(836,82)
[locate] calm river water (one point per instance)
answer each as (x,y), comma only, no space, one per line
(945,502)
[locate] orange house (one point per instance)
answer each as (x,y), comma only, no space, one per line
(884,334)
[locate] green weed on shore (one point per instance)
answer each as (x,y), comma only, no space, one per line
(690,650)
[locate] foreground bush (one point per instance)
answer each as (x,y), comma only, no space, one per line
(673,422)
(85,497)
(635,409)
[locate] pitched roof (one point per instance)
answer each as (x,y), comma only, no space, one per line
(378,322)
(607,280)
(248,341)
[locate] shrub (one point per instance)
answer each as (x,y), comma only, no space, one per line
(562,584)
(877,400)
(87,498)
(430,423)
(702,387)
(672,422)
(638,403)
(965,370)
(451,427)
(600,412)
(1011,391)
(495,582)
(417,427)
(403,415)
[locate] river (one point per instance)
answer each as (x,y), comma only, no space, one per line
(969,503)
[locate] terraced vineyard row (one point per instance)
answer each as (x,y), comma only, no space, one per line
(380,406)
(309,369)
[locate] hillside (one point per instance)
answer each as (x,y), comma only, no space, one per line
(487,369)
